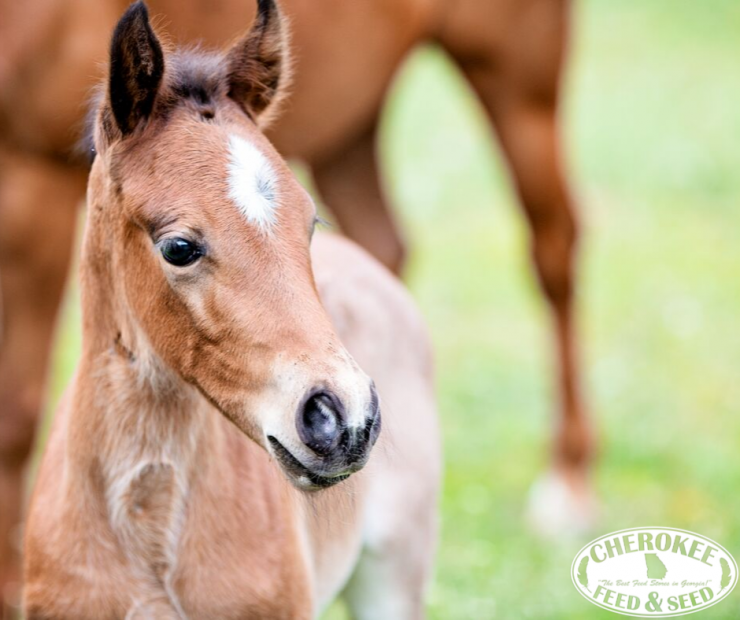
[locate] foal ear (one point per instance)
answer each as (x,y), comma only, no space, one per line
(136,68)
(258,64)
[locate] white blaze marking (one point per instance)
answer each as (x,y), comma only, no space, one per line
(252,183)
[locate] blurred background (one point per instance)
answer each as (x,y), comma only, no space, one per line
(652,129)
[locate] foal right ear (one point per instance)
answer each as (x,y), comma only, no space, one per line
(136,69)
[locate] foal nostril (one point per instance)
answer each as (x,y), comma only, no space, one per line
(372,424)
(320,423)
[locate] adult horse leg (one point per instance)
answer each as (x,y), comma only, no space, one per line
(38,202)
(350,185)
(516,76)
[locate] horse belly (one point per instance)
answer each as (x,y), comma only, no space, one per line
(346,55)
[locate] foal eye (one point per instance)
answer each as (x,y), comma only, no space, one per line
(180,252)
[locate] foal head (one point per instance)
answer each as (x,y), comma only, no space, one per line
(197,249)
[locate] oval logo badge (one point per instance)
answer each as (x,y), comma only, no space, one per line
(654,572)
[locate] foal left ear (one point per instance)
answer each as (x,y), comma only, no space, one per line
(136,68)
(258,64)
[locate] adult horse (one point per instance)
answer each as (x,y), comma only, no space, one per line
(510,51)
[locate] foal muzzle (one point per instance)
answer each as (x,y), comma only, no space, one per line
(334,449)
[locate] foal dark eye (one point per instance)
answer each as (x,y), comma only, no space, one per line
(180,252)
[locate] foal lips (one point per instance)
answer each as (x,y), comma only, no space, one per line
(298,470)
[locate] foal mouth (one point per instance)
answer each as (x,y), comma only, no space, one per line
(299,471)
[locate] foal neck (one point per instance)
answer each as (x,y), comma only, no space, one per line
(143,443)
(146,429)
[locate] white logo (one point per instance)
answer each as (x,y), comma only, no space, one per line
(654,572)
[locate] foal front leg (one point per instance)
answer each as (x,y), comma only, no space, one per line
(38,201)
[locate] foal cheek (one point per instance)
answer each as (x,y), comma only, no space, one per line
(160,313)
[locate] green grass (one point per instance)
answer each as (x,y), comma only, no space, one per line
(652,124)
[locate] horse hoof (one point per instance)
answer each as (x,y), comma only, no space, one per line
(562,503)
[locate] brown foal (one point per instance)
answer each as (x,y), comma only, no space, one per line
(346,54)
(203,462)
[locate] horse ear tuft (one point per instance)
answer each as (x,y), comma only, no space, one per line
(258,65)
(136,69)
